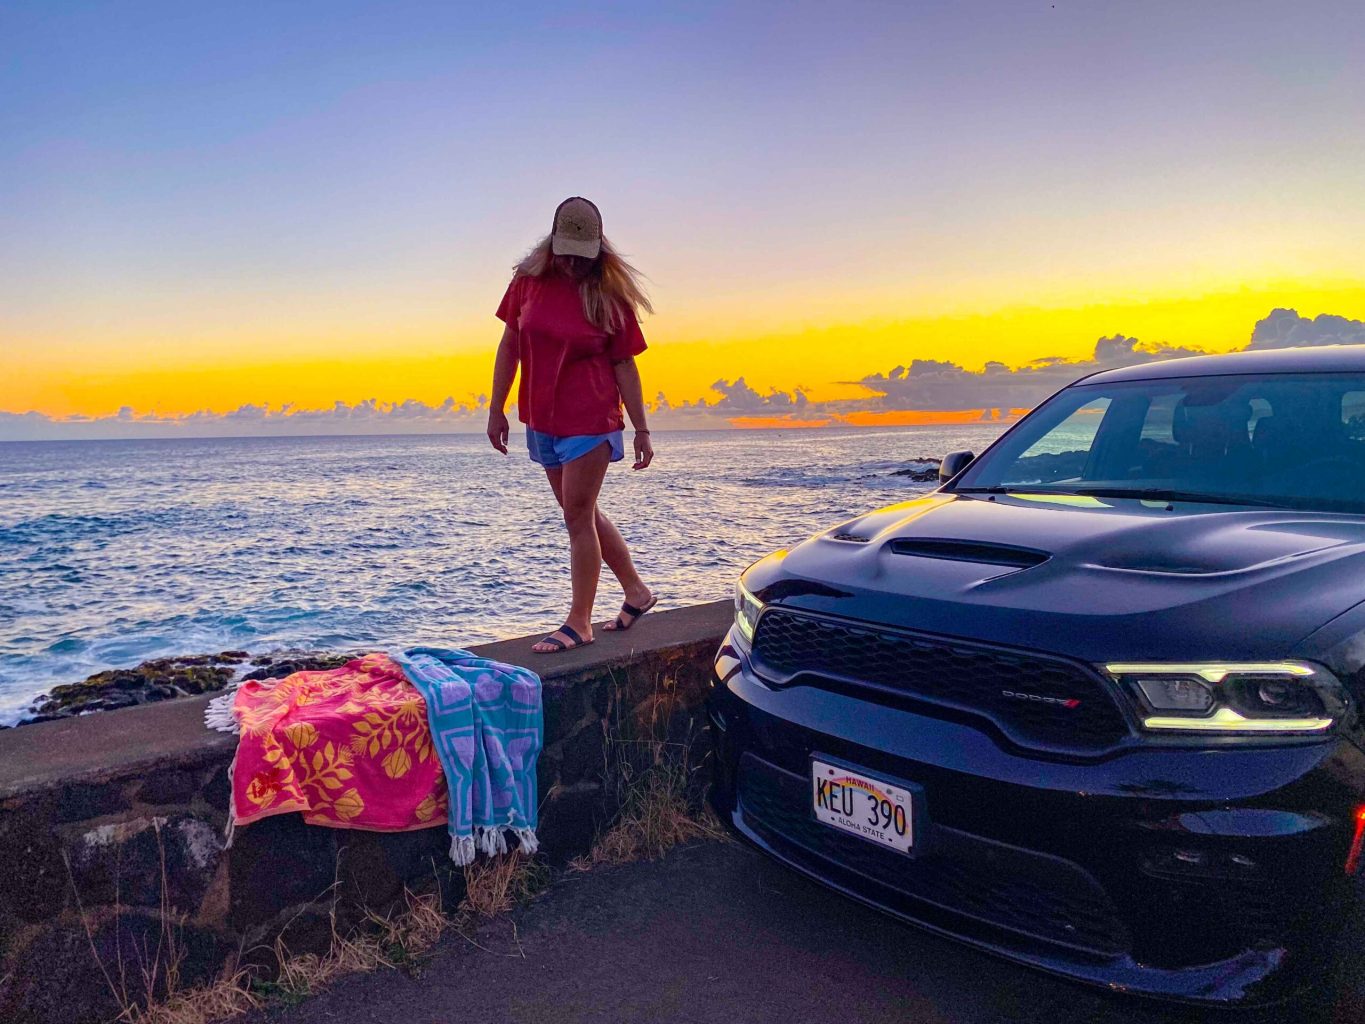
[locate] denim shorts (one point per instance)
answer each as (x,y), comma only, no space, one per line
(552,452)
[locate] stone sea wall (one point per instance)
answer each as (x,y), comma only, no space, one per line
(112,824)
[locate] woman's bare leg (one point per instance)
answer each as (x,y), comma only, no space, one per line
(614,550)
(580,481)
(617,556)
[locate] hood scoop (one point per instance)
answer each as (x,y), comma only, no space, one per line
(970,551)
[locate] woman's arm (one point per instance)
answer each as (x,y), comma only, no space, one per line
(632,396)
(504,372)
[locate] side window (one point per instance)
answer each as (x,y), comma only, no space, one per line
(1061,453)
(1260,409)
(1353,414)
(1158,426)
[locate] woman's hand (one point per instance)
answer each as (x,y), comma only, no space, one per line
(644,450)
(497,429)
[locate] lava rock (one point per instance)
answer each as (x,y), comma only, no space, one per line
(168,678)
(34,885)
(158,679)
(284,663)
(570,819)
(277,863)
(584,755)
(169,786)
(920,470)
(147,862)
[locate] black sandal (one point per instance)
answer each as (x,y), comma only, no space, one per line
(621,625)
(560,645)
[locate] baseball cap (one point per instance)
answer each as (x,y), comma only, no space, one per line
(577,229)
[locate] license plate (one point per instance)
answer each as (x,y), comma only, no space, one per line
(859,804)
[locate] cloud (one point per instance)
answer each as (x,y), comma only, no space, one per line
(365,417)
(907,393)
(739,397)
(1284,328)
(738,401)
(937,384)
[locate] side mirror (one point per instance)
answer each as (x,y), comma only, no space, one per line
(953,463)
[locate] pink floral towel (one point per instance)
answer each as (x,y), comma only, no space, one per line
(349,747)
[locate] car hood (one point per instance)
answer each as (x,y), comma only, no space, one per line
(1095,578)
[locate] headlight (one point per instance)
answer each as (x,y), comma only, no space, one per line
(1232,697)
(747,608)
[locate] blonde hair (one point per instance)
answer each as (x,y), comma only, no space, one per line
(610,289)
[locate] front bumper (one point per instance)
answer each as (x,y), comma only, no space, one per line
(1208,876)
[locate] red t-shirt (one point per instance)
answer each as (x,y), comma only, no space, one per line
(568,386)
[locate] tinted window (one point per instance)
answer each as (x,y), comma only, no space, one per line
(1353,414)
(1061,453)
(1295,440)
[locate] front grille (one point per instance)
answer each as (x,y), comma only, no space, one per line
(1221,916)
(952,673)
(1035,895)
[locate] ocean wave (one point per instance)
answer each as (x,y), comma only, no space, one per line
(205,546)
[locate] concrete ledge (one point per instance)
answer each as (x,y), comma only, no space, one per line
(109,743)
(111,825)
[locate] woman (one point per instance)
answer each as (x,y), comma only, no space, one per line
(572,323)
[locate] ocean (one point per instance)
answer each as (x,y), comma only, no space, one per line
(113,552)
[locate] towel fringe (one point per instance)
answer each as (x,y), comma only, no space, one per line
(462,850)
(231,829)
(218,715)
(490,839)
(527,838)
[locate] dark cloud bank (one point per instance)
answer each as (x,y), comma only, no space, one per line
(939,385)
(925,384)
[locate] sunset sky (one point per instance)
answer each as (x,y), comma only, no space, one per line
(211,206)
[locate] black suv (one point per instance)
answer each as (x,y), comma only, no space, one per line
(1093,703)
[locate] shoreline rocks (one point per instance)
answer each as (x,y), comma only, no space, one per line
(920,470)
(168,678)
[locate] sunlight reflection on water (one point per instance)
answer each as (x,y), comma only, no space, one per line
(114,552)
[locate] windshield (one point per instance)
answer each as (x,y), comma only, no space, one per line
(1266,440)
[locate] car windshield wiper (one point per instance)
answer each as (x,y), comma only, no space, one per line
(1166,494)
(1140,493)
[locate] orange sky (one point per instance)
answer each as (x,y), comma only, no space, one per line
(228,361)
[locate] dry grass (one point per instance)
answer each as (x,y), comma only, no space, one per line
(495,887)
(652,776)
(656,818)
(230,996)
(413,933)
(144,978)
(401,939)
(656,815)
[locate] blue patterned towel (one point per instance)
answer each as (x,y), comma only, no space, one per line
(486,727)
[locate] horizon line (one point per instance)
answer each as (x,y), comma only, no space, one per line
(518,433)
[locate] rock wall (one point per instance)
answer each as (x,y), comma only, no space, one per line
(111,827)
